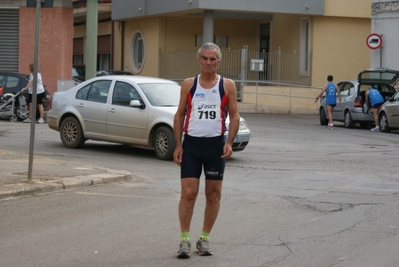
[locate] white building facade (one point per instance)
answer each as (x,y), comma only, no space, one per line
(385,22)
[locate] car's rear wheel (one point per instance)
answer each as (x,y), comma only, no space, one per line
(323,117)
(71,133)
(349,123)
(164,143)
(383,121)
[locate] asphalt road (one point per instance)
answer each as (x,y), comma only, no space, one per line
(298,195)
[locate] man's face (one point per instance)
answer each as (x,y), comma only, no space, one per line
(209,61)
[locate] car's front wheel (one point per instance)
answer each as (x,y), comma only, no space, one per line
(383,121)
(71,133)
(164,143)
(349,123)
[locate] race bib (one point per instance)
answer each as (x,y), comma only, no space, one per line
(207,111)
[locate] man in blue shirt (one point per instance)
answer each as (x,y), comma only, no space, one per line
(374,100)
(332,91)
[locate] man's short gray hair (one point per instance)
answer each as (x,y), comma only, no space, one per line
(209,46)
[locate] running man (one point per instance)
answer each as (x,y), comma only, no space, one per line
(332,91)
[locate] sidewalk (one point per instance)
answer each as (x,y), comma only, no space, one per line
(49,175)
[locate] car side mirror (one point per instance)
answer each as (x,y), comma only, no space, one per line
(137,104)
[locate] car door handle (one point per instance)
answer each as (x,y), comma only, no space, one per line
(80,105)
(112,110)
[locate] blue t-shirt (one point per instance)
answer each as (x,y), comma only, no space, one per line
(375,97)
(331,94)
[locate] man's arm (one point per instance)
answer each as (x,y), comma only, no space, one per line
(366,95)
(231,91)
(338,92)
(179,120)
(321,93)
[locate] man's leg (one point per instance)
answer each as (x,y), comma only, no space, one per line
(375,115)
(329,112)
(213,193)
(189,193)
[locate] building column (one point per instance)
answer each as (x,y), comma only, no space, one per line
(91,38)
(208,26)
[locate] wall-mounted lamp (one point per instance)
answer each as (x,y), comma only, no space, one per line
(140,9)
(307,7)
(190,1)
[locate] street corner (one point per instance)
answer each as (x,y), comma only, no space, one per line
(52,177)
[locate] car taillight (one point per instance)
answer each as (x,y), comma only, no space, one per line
(357,103)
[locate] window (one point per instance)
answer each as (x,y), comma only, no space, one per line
(9,82)
(96,91)
(124,93)
(304,47)
(137,52)
(346,89)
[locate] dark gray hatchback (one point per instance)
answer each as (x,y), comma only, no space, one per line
(352,95)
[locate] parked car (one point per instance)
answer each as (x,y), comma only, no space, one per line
(113,72)
(352,95)
(388,115)
(12,83)
(130,110)
(78,73)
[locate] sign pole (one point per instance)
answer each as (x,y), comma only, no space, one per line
(34,91)
(374,41)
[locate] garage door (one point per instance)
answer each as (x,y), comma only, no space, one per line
(9,41)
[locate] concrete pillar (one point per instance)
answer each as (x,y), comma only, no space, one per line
(91,38)
(208,26)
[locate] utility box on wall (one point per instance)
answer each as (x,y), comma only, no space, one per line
(64,85)
(257,65)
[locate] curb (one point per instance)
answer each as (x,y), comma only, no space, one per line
(42,187)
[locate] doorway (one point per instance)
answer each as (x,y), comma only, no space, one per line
(264,48)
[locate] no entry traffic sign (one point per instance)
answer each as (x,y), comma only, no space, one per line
(374,41)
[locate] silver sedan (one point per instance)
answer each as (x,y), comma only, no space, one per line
(132,110)
(388,115)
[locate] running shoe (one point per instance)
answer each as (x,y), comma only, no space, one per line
(184,251)
(375,129)
(330,126)
(27,120)
(203,247)
(40,120)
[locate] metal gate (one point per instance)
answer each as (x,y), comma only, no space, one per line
(9,40)
(278,66)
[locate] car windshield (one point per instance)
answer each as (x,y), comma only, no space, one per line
(161,94)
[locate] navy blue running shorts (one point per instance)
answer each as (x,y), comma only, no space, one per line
(377,105)
(203,152)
